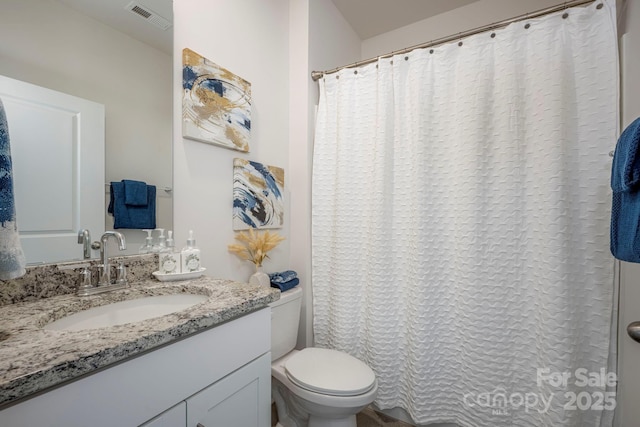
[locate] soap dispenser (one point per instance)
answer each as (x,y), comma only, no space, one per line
(148,243)
(190,256)
(159,247)
(169,259)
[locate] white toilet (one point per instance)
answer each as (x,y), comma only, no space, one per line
(313,387)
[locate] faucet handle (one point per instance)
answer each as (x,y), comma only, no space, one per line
(121,274)
(86,281)
(86,277)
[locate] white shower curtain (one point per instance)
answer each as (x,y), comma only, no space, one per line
(460,223)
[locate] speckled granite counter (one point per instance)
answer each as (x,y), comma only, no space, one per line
(33,359)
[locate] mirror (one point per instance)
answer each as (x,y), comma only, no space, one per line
(113,53)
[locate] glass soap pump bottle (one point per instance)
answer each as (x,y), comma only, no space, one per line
(148,243)
(161,244)
(168,258)
(190,256)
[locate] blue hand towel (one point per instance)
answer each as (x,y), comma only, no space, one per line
(286,285)
(12,260)
(283,276)
(125,216)
(135,193)
(625,206)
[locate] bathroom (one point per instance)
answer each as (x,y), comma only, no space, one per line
(275,44)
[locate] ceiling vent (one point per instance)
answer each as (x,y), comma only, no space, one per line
(148,15)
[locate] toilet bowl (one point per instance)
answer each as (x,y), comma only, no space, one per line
(314,387)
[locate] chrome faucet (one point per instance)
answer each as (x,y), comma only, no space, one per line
(105,273)
(84,238)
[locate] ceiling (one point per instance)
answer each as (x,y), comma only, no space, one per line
(373,17)
(367,17)
(114,14)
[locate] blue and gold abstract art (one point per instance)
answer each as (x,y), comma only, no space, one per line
(257,195)
(216,104)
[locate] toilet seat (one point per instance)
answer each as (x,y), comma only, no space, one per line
(329,372)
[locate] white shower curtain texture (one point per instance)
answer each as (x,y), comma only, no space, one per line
(460,223)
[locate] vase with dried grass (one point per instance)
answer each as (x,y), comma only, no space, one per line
(254,246)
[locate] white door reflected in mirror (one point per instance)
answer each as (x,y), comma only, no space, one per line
(57,149)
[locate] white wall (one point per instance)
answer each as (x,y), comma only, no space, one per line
(249,38)
(300,147)
(478,14)
(320,39)
(49,44)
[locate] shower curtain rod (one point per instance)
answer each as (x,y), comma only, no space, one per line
(317,75)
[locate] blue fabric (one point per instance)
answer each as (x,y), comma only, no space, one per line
(625,172)
(283,276)
(286,285)
(12,260)
(625,206)
(135,193)
(126,216)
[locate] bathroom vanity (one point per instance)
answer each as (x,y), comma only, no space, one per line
(204,366)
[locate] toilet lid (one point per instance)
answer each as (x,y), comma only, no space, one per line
(329,372)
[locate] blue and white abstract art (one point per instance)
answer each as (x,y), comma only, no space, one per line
(216,104)
(257,195)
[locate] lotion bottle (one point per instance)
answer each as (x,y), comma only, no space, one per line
(190,256)
(168,258)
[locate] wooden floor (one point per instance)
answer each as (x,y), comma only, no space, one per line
(370,418)
(367,418)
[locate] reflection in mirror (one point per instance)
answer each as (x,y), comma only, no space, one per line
(103,52)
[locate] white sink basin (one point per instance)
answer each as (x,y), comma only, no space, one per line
(119,313)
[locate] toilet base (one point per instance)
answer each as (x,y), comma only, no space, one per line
(299,407)
(294,411)
(315,421)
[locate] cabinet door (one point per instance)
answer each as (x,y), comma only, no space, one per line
(174,417)
(241,399)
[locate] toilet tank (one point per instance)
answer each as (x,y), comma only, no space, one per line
(285,318)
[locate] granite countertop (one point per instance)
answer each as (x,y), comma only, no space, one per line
(33,359)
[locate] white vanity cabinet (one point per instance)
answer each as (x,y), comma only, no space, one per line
(218,377)
(235,401)
(174,417)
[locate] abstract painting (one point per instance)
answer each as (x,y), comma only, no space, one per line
(257,195)
(216,104)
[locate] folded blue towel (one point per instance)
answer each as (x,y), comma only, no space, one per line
(12,260)
(286,285)
(125,216)
(135,193)
(625,206)
(283,276)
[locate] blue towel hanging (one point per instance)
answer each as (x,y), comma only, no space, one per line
(625,206)
(132,216)
(12,259)
(135,193)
